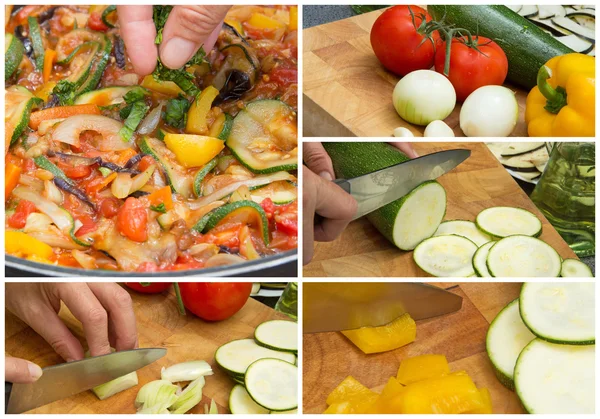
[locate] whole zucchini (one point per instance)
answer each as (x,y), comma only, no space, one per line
(526,46)
(407,221)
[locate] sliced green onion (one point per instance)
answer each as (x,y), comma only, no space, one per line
(190,397)
(186,371)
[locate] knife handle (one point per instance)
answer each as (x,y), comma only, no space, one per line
(7,391)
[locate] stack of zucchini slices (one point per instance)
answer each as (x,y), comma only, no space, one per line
(542,345)
(264,369)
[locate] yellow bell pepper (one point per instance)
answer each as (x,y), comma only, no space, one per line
(45,90)
(261,21)
(355,405)
(563,104)
(293,26)
(196,120)
(347,389)
(392,389)
(165,87)
(21,244)
(236,24)
(400,332)
(487,401)
(422,367)
(193,150)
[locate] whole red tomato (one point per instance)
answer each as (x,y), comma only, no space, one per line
(398,41)
(149,287)
(214,301)
(472,68)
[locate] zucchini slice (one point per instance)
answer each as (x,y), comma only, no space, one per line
(506,338)
(281,192)
(240,403)
(515,149)
(523,256)
(280,335)
(446,256)
(104,97)
(109,16)
(201,174)
(13,54)
(264,137)
(508,221)
(480,260)
(575,268)
(463,228)
(247,212)
(561,313)
(273,384)
(236,356)
(221,127)
(80,65)
(18,103)
(35,34)
(556,379)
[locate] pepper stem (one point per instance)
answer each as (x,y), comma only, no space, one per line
(180,305)
(556,98)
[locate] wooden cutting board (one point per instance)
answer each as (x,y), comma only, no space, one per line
(328,358)
(159,324)
(347,92)
(479,182)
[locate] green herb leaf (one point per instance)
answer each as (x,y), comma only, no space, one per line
(135,95)
(65,91)
(105,171)
(176,112)
(160,14)
(137,113)
(159,208)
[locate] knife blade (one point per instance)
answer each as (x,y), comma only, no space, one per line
(335,306)
(64,380)
(379,188)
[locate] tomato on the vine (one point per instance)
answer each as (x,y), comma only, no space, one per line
(472,66)
(400,41)
(149,287)
(214,301)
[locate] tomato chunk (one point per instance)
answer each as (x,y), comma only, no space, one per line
(19,218)
(132,220)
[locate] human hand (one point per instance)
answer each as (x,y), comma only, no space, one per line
(19,371)
(322,197)
(187,29)
(406,148)
(104,309)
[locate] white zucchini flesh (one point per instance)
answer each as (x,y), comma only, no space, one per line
(506,338)
(420,215)
(280,335)
(514,149)
(273,384)
(463,228)
(556,379)
(285,412)
(480,260)
(523,256)
(560,312)
(446,256)
(240,403)
(572,268)
(508,221)
(237,355)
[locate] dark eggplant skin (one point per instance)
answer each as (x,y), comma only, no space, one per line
(236,85)
(120,52)
(46,15)
(20,34)
(65,186)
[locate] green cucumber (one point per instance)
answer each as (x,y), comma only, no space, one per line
(523,256)
(13,54)
(526,46)
(35,34)
(575,268)
(233,209)
(407,221)
(258,133)
(506,338)
(201,174)
(18,105)
(175,175)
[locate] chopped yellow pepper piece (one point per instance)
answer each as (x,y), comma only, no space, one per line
(236,24)
(45,90)
(347,389)
(293,26)
(196,120)
(422,367)
(400,332)
(165,87)
(23,245)
(193,150)
(487,401)
(260,21)
(392,389)
(356,405)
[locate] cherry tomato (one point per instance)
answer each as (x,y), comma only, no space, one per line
(88,225)
(132,220)
(19,218)
(214,301)
(109,207)
(398,43)
(149,287)
(145,163)
(471,69)
(95,23)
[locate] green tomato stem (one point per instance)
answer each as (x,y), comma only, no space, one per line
(556,98)
(180,305)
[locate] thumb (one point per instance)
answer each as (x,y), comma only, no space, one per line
(138,33)
(187,29)
(316,159)
(19,371)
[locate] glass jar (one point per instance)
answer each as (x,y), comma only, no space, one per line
(288,302)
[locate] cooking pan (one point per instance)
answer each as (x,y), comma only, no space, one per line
(280,265)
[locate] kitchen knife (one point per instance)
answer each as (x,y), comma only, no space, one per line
(376,189)
(335,306)
(64,380)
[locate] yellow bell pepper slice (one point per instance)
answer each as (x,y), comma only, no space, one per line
(165,87)
(347,389)
(21,244)
(193,150)
(370,340)
(487,401)
(45,90)
(355,405)
(236,24)
(261,21)
(196,120)
(422,367)
(563,104)
(293,26)
(392,389)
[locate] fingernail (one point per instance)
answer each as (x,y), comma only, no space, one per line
(34,370)
(325,175)
(177,52)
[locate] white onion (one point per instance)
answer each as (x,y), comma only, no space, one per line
(71,128)
(424,96)
(52,192)
(223,259)
(438,129)
(403,132)
(151,120)
(140,180)
(186,371)
(490,111)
